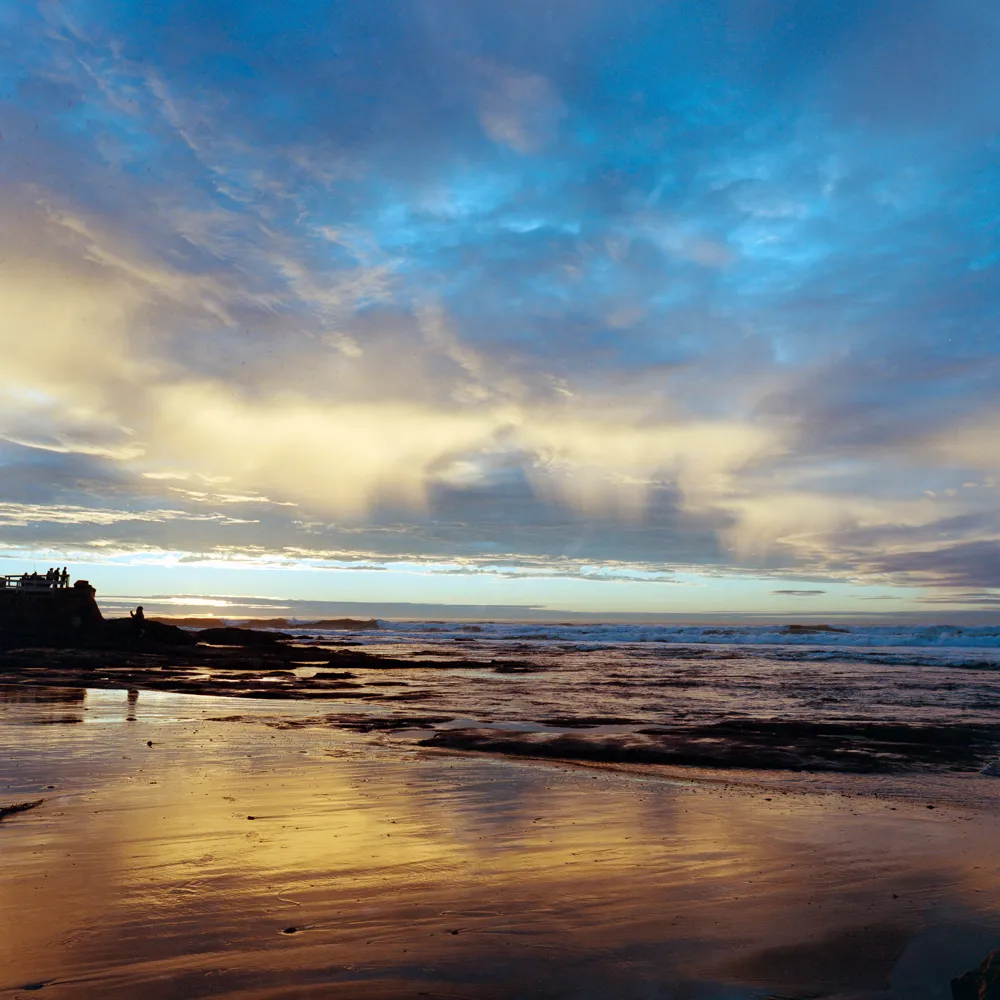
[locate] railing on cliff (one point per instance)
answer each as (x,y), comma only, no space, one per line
(35,582)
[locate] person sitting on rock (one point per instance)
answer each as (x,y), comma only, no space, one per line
(138,621)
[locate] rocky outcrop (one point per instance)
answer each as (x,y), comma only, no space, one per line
(238,637)
(810,629)
(335,624)
(345,624)
(127,632)
(189,622)
(57,612)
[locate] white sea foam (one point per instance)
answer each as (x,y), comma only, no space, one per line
(871,636)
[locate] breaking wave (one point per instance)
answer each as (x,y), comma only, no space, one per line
(981,636)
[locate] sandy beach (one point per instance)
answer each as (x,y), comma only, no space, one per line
(174,856)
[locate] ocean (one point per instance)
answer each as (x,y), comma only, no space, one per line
(822,699)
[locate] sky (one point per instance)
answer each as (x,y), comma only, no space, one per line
(633,305)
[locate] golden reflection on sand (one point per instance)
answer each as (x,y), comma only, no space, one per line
(372,870)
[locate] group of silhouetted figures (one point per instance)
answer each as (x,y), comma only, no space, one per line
(54,578)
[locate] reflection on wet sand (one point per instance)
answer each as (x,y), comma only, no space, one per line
(234,861)
(45,705)
(30,695)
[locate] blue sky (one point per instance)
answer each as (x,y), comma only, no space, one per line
(633,305)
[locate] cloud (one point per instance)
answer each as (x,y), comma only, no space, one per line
(799,593)
(519,109)
(629,284)
(22,515)
(970,564)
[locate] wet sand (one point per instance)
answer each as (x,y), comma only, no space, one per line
(377,868)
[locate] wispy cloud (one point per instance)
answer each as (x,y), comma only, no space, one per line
(23,515)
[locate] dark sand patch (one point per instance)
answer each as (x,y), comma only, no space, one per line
(854,958)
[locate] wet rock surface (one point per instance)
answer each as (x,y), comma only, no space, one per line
(705,707)
(218,661)
(760,745)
